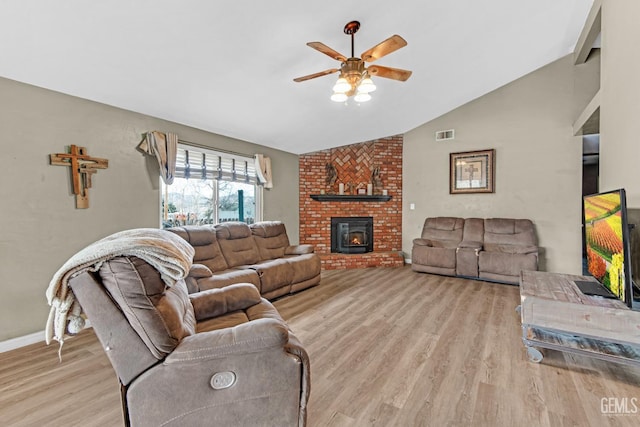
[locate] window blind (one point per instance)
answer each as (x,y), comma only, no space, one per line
(199,163)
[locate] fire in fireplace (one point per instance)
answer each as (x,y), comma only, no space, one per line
(352,235)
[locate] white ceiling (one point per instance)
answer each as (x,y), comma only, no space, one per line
(228,66)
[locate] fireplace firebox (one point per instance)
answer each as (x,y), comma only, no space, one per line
(352,235)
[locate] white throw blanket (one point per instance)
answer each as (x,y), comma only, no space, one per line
(167,252)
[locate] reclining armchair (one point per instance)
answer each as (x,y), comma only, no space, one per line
(217,357)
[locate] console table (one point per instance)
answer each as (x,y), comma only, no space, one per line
(556,315)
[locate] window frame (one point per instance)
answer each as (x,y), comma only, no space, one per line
(216,177)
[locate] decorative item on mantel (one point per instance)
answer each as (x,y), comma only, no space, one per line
(332,175)
(376,180)
(82,167)
(350,198)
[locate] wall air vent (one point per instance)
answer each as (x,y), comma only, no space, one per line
(443,135)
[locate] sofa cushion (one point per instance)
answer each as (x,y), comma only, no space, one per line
(205,243)
(271,239)
(510,249)
(217,302)
(237,244)
(444,223)
(161,315)
(434,257)
(233,230)
(509,231)
(228,277)
(505,264)
(274,274)
(434,243)
(228,320)
(258,311)
(448,244)
(443,228)
(268,229)
(304,267)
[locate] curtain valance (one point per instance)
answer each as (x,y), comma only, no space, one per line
(200,163)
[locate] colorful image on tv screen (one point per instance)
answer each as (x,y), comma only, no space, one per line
(603,231)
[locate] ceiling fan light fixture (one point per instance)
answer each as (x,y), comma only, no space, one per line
(366,85)
(362,97)
(355,77)
(339,97)
(342,86)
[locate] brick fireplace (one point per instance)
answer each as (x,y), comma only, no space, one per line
(354,165)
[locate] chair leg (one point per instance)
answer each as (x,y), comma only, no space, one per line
(125,409)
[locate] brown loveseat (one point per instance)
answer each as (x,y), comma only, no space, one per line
(496,249)
(260,254)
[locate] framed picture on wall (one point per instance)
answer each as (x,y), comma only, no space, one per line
(472,172)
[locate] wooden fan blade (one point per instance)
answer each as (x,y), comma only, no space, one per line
(321,47)
(389,73)
(313,76)
(384,48)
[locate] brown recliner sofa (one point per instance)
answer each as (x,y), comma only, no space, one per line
(217,357)
(495,249)
(259,254)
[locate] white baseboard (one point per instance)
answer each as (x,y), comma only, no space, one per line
(36,337)
(23,341)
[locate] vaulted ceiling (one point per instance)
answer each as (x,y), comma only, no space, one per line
(228,66)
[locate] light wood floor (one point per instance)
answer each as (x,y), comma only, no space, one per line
(388,347)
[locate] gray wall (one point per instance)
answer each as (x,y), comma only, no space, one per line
(538,160)
(40,227)
(620,111)
(620,99)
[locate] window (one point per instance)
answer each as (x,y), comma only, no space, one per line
(211,187)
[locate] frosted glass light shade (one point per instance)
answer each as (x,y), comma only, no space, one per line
(366,86)
(342,85)
(339,97)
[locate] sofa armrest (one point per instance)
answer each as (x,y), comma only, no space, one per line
(422,242)
(216,302)
(198,271)
(249,337)
(299,250)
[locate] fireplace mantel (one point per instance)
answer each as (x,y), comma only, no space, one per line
(349,198)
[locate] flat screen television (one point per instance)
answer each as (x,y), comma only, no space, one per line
(607,248)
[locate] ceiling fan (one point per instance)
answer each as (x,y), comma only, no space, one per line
(355,78)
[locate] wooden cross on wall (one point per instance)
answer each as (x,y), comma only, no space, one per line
(82,167)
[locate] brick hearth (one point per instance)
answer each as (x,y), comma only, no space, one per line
(354,164)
